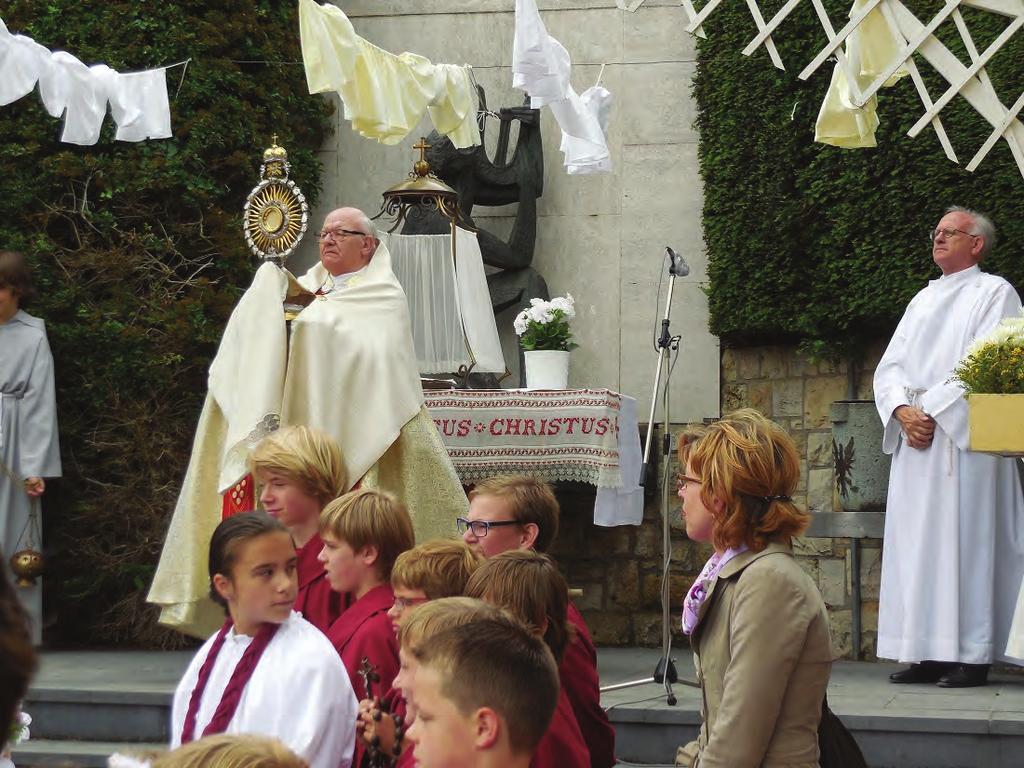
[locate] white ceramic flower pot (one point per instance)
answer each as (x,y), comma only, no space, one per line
(547,369)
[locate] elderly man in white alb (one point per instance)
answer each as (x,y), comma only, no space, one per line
(953,553)
(343,364)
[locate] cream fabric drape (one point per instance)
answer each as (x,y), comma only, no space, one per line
(870,48)
(438,291)
(385,95)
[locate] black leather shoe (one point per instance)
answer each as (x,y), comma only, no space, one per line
(965,676)
(925,672)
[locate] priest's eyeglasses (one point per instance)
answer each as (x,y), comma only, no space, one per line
(338,234)
(480,527)
(947,233)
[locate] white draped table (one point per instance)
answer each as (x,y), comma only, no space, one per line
(581,435)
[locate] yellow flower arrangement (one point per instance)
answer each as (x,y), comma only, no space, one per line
(994,364)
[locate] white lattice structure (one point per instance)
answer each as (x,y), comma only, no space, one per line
(918,40)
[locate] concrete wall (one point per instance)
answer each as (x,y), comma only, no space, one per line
(600,237)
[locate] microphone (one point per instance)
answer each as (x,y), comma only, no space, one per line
(679,267)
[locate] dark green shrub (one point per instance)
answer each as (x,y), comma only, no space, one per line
(138,258)
(825,246)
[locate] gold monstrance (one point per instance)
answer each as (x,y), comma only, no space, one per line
(276,213)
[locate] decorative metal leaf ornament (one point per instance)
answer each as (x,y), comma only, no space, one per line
(276,213)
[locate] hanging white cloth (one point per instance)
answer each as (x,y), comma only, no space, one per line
(138,102)
(68,88)
(598,101)
(71,89)
(541,67)
(22,60)
(439,292)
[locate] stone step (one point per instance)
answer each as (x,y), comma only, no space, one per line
(100,716)
(918,726)
(47,753)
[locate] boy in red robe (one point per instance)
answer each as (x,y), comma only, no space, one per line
(299,470)
(364,532)
(518,512)
(529,586)
(485,692)
(431,571)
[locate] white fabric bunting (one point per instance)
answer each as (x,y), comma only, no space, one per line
(137,100)
(541,67)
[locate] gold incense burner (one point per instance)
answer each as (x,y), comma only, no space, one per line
(28,565)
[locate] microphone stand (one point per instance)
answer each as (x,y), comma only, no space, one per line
(665,671)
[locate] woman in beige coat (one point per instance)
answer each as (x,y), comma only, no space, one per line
(756,621)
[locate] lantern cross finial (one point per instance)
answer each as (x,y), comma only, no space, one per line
(422,146)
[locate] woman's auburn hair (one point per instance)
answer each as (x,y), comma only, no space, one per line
(740,460)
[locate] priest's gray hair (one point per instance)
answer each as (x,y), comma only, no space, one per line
(983,227)
(366,225)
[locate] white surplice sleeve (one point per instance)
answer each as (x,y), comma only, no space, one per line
(38,445)
(321,721)
(890,381)
(944,401)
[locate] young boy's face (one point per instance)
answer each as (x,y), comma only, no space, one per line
(493,509)
(405,600)
(403,681)
(345,568)
(286,500)
(444,737)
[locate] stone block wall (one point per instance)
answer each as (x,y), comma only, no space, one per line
(619,569)
(797,393)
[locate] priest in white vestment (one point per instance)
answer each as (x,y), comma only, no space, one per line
(953,553)
(346,366)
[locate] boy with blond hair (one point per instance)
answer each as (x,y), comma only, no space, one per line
(364,532)
(299,470)
(485,693)
(519,512)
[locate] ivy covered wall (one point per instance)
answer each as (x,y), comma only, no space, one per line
(138,260)
(825,246)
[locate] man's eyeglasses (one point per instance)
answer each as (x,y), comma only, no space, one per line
(338,234)
(481,527)
(682,480)
(947,233)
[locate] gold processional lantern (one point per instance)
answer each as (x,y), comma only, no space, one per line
(420,193)
(276,213)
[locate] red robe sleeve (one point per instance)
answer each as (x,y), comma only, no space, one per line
(320,605)
(578,672)
(364,629)
(562,745)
